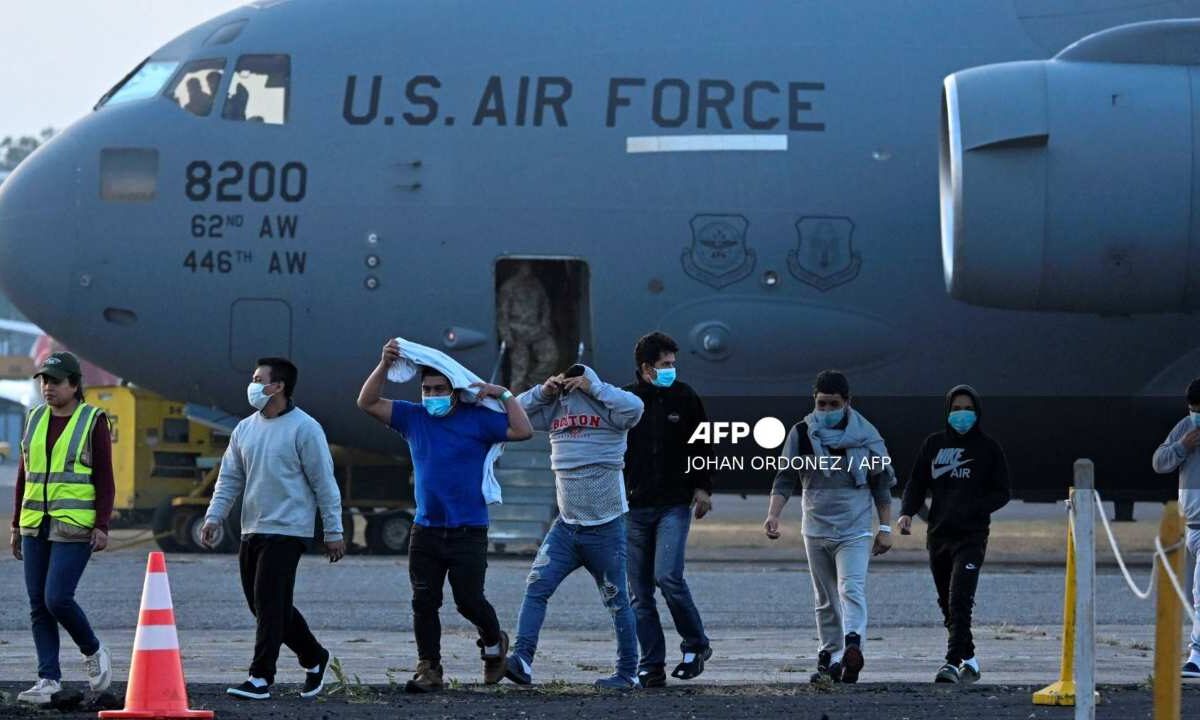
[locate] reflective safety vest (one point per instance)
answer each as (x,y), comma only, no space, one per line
(63,486)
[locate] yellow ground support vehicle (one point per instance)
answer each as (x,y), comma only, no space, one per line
(5,451)
(166,459)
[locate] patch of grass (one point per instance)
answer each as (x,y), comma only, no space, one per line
(555,687)
(1140,645)
(791,669)
(351,688)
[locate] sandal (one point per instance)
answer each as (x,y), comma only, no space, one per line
(687,670)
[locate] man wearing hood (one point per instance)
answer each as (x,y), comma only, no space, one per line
(588,421)
(1178,452)
(843,466)
(966,473)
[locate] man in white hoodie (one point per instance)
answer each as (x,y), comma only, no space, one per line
(1178,452)
(588,421)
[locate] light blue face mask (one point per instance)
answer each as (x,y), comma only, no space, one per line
(830,418)
(437,405)
(962,421)
(1195,419)
(664,377)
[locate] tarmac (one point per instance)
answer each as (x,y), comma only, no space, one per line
(755,597)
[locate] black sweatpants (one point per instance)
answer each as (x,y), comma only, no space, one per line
(461,553)
(268,564)
(956,563)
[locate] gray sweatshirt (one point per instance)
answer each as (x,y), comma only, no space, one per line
(835,507)
(284,466)
(1172,456)
(594,426)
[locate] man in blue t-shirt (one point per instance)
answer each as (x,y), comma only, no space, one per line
(449,441)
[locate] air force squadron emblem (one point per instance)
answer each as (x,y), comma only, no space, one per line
(718,255)
(824,256)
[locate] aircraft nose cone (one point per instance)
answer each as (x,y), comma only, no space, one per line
(37,235)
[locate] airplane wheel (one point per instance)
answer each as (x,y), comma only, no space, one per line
(388,533)
(191,521)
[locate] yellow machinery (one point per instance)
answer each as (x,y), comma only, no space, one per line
(166,458)
(5,451)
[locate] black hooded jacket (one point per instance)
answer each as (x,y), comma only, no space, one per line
(967,476)
(657,452)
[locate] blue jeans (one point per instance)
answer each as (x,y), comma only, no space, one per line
(601,550)
(52,571)
(657,539)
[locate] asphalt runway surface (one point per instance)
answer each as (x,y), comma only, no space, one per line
(573,702)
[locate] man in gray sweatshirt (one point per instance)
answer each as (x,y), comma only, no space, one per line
(279,462)
(843,467)
(1178,452)
(588,421)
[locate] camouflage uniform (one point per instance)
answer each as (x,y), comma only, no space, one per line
(524,325)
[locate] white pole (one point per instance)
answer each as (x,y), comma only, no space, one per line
(1084,511)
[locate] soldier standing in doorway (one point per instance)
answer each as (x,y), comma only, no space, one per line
(523,321)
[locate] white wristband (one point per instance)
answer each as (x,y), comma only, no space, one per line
(885,529)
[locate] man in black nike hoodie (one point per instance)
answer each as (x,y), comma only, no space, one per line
(966,473)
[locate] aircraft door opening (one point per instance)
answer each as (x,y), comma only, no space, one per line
(542,317)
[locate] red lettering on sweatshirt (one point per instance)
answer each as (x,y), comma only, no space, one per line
(569,422)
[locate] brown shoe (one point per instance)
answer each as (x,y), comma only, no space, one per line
(493,665)
(427,679)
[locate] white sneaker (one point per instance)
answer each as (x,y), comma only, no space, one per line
(99,669)
(41,692)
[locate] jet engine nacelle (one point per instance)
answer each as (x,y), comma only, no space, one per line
(1074,183)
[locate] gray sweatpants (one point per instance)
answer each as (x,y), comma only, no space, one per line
(1193,543)
(839,577)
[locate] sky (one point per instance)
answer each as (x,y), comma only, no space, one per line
(57,57)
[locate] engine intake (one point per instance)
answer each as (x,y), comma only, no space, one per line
(1073,184)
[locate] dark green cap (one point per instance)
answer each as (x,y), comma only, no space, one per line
(60,366)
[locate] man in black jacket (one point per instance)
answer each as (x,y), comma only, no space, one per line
(967,475)
(662,495)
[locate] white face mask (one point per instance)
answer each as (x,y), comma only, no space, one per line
(256,396)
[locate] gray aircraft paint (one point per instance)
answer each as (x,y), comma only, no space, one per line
(403,216)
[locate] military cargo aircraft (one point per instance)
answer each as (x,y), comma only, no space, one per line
(920,194)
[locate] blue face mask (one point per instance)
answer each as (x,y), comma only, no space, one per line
(437,406)
(1195,419)
(830,418)
(664,377)
(962,421)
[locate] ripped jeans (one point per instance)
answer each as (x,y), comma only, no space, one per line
(601,550)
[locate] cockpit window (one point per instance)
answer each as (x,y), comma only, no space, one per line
(258,90)
(197,85)
(145,81)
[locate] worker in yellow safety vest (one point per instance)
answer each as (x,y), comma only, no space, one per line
(62,504)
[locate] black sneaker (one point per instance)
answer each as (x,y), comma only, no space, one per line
(250,691)
(947,673)
(852,659)
(314,681)
(826,671)
(654,678)
(1191,670)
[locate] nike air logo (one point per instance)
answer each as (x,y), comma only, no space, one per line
(948,460)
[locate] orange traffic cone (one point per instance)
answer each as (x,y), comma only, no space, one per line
(156,687)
